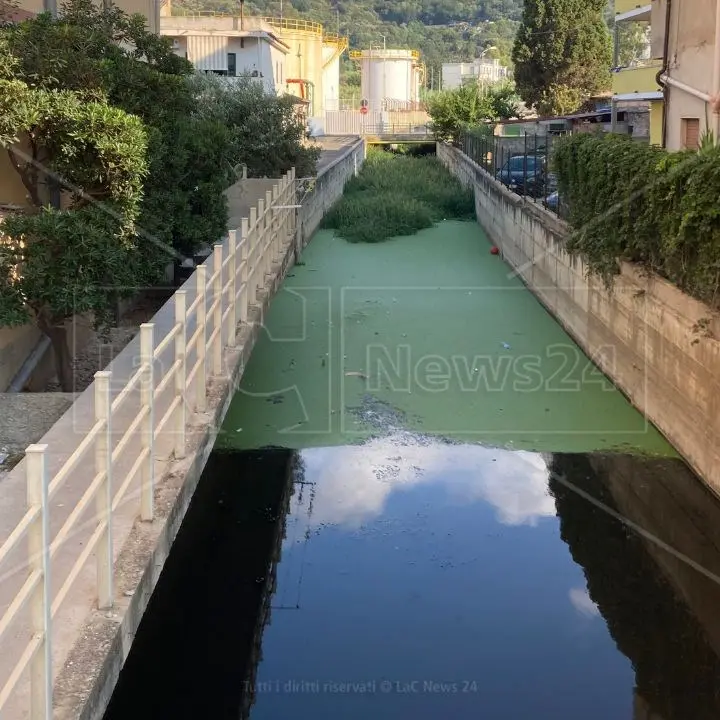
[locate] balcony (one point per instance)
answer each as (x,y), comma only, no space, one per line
(637,79)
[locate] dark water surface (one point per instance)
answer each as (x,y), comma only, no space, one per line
(412,578)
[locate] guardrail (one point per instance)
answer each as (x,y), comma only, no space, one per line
(384,129)
(279,22)
(200,331)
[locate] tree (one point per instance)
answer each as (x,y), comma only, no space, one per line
(452,111)
(562,54)
(266,135)
(100,52)
(59,262)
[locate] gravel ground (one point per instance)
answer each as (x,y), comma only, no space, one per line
(103,347)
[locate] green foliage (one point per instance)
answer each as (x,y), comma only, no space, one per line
(93,103)
(265,133)
(562,54)
(52,260)
(453,111)
(398,195)
(68,261)
(629,201)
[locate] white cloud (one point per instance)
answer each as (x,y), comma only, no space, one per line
(354,482)
(583,603)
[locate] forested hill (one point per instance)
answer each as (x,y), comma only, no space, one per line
(443,30)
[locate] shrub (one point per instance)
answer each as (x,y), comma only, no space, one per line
(628,201)
(398,195)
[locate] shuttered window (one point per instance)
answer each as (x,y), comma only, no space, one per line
(691,133)
(208,52)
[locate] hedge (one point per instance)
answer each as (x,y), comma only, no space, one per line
(630,201)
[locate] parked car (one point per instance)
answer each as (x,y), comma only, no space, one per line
(552,201)
(524,174)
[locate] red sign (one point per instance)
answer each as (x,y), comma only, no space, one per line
(363,110)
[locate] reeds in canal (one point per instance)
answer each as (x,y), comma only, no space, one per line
(398,195)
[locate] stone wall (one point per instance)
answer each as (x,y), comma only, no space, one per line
(658,345)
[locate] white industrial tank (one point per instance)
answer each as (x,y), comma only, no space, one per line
(389,78)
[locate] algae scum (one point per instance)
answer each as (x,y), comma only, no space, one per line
(431,325)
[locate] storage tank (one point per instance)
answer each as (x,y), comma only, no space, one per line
(389,78)
(314,57)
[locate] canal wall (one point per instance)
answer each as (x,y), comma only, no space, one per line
(91,645)
(657,344)
(321,193)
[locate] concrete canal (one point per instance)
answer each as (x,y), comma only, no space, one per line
(427,502)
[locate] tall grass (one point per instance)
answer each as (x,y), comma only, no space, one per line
(396,195)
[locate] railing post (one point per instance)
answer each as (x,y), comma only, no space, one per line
(293,197)
(244,240)
(269,237)
(277,216)
(252,255)
(259,279)
(40,608)
(201,377)
(232,299)
(180,376)
(147,405)
(103,500)
(217,314)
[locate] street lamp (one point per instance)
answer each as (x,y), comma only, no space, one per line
(482,55)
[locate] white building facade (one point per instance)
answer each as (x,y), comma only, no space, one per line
(454,75)
(228,51)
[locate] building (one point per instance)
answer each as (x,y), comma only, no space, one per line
(480,71)
(230,47)
(635,85)
(691,36)
(678,75)
(302,59)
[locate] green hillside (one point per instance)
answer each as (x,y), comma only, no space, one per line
(443,30)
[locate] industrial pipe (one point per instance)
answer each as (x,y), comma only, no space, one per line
(686,88)
(664,70)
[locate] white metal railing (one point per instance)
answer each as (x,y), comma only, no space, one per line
(222,302)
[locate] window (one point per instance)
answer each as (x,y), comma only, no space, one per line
(691,133)
(242,43)
(232,64)
(519,163)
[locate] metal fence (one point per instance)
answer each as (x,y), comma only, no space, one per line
(522,163)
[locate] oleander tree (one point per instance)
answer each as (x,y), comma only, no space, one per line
(78,253)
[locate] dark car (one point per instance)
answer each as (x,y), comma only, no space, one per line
(524,174)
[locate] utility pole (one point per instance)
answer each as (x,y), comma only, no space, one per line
(616,62)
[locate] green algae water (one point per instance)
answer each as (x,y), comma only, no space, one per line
(435,329)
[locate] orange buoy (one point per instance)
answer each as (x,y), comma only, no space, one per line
(494,250)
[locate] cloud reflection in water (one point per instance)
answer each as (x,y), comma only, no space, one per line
(354,482)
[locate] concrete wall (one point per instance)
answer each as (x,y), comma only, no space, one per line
(325,191)
(644,334)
